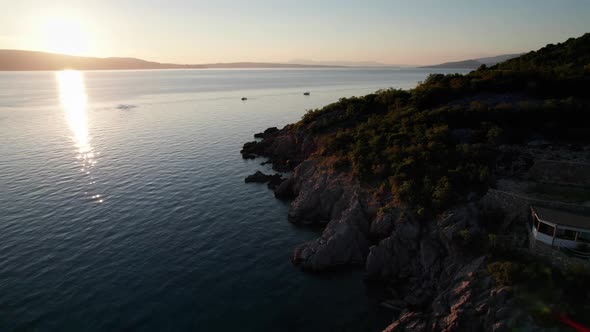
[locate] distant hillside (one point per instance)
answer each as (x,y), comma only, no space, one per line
(475,63)
(490,61)
(572,56)
(14,60)
(368,64)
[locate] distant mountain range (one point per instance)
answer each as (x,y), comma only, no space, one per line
(13,60)
(475,63)
(342,63)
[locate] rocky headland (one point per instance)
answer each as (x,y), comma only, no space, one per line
(400,182)
(438,283)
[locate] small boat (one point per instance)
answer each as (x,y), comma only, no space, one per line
(244,98)
(306,93)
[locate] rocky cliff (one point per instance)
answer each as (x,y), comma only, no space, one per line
(435,269)
(399,180)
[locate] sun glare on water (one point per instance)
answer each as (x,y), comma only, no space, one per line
(72,95)
(73,99)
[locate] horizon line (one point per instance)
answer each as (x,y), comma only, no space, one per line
(294,62)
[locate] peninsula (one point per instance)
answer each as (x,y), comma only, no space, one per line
(417,188)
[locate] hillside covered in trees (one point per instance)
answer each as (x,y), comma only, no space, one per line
(474,63)
(430,146)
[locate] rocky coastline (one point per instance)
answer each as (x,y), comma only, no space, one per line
(405,185)
(435,283)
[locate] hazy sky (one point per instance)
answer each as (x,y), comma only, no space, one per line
(393,31)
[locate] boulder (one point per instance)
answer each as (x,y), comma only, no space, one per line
(259,177)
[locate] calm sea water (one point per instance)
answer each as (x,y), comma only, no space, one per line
(123,205)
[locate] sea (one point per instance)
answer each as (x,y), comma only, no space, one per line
(123,205)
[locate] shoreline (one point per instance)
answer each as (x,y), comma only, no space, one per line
(431,273)
(400,181)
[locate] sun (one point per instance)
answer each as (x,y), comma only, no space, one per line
(64,35)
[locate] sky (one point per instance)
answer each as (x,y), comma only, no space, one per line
(194,31)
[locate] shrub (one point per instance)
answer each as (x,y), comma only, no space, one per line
(505,273)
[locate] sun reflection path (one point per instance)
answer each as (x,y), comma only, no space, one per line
(73,99)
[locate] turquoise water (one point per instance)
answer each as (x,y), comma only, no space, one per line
(123,205)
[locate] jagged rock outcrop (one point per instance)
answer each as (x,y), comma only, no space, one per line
(467,301)
(395,255)
(267,132)
(436,271)
(432,266)
(325,197)
(285,148)
(257,177)
(343,242)
(319,196)
(273,181)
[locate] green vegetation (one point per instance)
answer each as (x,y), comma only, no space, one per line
(570,57)
(505,273)
(538,288)
(431,146)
